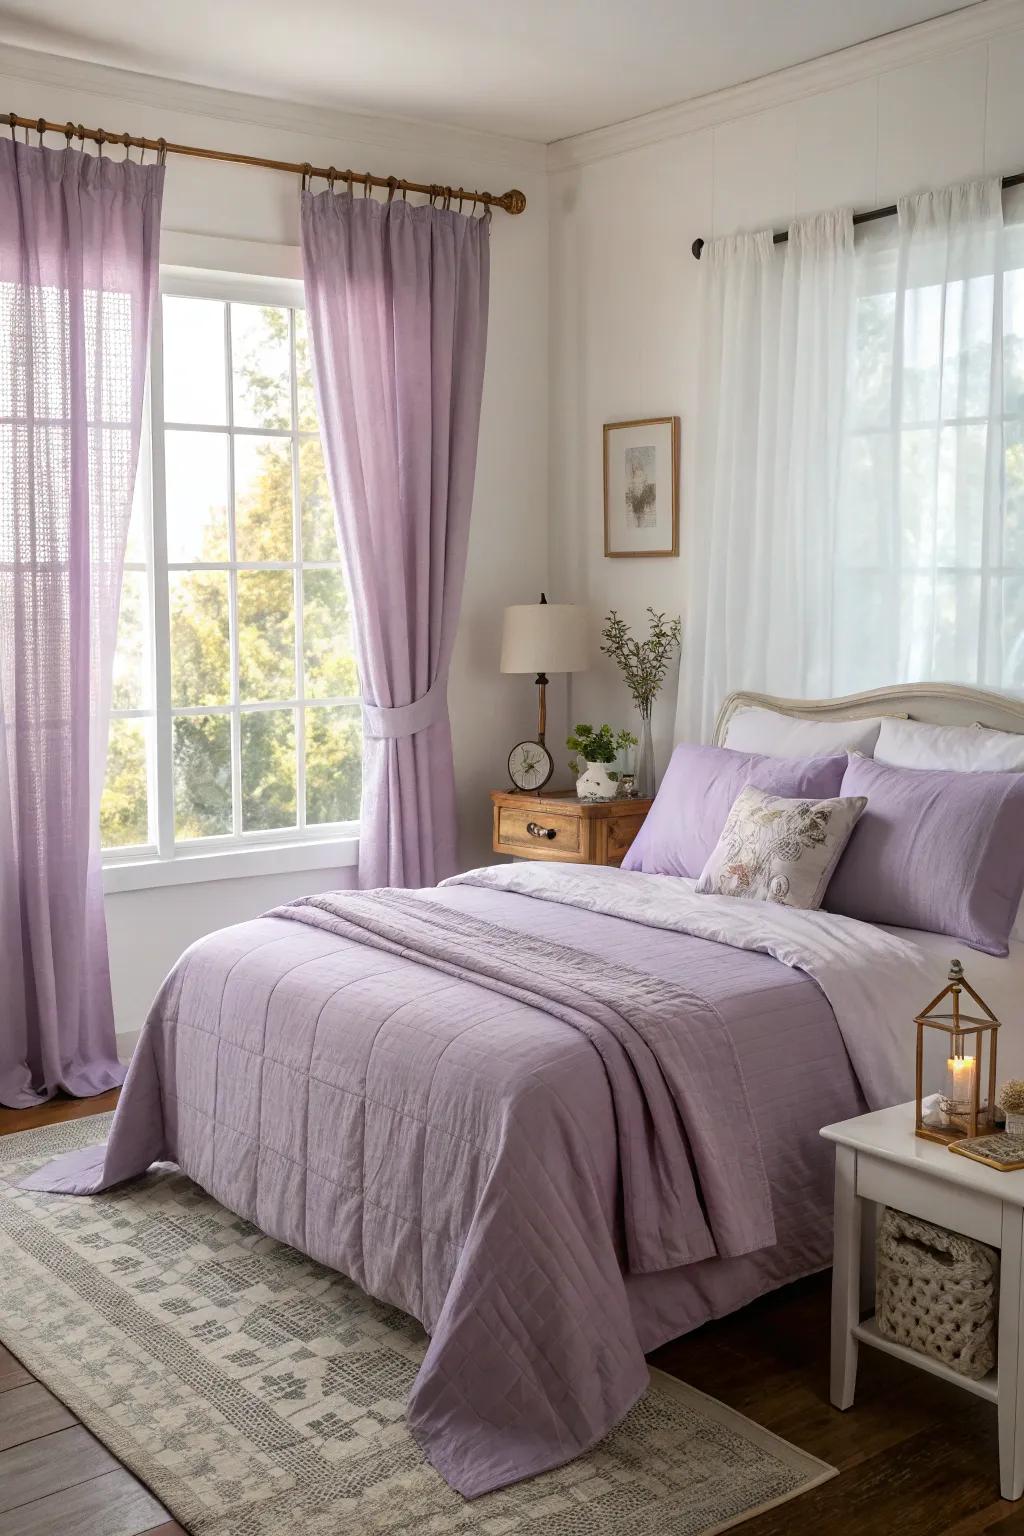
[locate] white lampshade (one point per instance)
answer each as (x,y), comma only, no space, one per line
(546,637)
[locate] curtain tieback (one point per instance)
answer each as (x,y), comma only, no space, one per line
(406,719)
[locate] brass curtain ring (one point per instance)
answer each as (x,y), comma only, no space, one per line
(126,140)
(12,118)
(100,136)
(161,155)
(69,133)
(367,184)
(41,129)
(392,187)
(307,175)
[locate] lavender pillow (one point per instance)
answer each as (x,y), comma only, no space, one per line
(935,850)
(698,792)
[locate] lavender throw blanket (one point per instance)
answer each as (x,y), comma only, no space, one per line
(671,1068)
(427,1102)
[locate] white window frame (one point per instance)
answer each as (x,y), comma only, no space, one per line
(165,860)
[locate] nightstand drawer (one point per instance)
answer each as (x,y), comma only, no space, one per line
(541,833)
(938,1200)
(619,835)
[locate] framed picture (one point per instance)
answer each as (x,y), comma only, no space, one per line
(641,487)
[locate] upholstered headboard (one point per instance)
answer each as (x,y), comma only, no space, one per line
(934,703)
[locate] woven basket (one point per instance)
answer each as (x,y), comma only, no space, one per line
(937,1292)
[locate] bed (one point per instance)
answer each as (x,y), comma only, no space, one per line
(559,1114)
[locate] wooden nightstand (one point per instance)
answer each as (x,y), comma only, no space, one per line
(559,826)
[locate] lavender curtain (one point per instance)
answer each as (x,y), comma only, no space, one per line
(78,263)
(397,305)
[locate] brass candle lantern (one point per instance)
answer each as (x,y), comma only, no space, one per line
(962,1110)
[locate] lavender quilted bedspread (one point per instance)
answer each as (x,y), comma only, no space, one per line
(530,1127)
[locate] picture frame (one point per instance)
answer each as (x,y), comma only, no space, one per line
(641,488)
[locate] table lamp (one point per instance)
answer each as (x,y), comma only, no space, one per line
(541,638)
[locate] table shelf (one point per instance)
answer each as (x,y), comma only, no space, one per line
(868,1333)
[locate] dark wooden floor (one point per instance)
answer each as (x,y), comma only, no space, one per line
(916,1457)
(56,1479)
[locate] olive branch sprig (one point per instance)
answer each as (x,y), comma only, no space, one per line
(643,663)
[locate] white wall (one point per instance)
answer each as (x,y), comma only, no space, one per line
(912,110)
(244,219)
(917,109)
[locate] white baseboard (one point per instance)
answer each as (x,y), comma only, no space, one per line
(126,1044)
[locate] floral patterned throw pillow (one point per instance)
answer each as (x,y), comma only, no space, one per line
(773,849)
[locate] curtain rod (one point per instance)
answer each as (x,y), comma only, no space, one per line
(782,235)
(512,202)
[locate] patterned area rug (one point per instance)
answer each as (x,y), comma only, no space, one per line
(258,1394)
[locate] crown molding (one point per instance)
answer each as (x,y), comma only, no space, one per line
(976,23)
(381,134)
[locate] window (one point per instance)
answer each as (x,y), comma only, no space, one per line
(931,528)
(236,716)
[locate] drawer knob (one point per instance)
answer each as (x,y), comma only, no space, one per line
(537,831)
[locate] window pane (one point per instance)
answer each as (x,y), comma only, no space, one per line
(197,495)
(304,376)
(268,770)
(202,775)
(334,764)
(1013,340)
(131,659)
(864,536)
(135,547)
(1007,622)
(266,635)
(940,623)
(967,346)
(261,367)
(263,498)
(872,381)
(200,656)
(864,644)
(319,539)
(327,636)
(195,373)
(124,808)
(1013,519)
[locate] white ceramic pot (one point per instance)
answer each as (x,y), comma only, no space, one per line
(596,784)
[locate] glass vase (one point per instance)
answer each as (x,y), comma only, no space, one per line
(645,760)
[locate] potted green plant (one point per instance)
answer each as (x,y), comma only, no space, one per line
(644,665)
(596,748)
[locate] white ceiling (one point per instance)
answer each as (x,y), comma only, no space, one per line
(536,69)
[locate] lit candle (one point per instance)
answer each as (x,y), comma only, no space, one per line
(961,1072)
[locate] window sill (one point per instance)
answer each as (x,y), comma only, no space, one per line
(231,864)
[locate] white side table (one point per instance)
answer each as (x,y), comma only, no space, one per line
(879,1159)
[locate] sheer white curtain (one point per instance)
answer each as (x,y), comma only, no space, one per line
(930,567)
(859,509)
(761,541)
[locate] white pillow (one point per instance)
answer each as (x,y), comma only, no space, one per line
(753,729)
(963,748)
(777,849)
